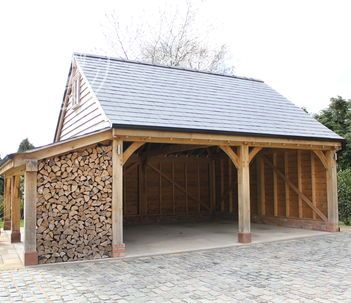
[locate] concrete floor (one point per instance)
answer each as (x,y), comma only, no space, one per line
(152,239)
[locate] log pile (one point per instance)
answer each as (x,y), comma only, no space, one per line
(74,206)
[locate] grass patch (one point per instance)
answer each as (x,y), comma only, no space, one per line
(2,223)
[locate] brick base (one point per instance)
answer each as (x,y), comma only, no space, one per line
(118,250)
(297,223)
(30,258)
(244,237)
(332,227)
(15,237)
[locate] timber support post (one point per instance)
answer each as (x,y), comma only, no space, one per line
(244,230)
(7,203)
(30,201)
(118,246)
(332,192)
(242,160)
(15,210)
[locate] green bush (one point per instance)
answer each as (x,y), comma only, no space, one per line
(344,195)
(1,207)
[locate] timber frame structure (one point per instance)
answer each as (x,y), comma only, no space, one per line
(146,143)
(240,150)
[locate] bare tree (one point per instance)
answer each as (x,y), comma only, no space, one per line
(174,41)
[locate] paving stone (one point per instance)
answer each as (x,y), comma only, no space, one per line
(311,269)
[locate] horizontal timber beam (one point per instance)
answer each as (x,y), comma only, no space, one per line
(171,149)
(153,136)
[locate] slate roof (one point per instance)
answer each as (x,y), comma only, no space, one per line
(139,95)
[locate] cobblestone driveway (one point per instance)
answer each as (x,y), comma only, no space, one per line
(315,269)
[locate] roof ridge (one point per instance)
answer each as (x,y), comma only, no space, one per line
(164,66)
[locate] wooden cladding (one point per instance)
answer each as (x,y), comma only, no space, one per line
(294,185)
(81,118)
(283,183)
(167,186)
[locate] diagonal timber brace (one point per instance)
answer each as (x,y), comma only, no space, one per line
(296,190)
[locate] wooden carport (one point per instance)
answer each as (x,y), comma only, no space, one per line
(125,142)
(241,151)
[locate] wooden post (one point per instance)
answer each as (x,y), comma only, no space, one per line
(7,203)
(118,246)
(244,234)
(30,200)
(15,210)
(332,193)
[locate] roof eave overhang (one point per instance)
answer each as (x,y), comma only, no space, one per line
(15,163)
(237,135)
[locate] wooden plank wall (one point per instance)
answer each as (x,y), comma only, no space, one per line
(174,186)
(184,186)
(305,171)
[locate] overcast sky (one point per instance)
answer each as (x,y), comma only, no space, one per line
(300,48)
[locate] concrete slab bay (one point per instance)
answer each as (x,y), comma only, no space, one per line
(151,239)
(155,239)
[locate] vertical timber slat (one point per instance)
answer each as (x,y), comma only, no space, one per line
(299,181)
(198,185)
(258,187)
(230,181)
(186,186)
(262,188)
(173,189)
(275,187)
(313,183)
(160,189)
(213,185)
(140,188)
(287,193)
(222,185)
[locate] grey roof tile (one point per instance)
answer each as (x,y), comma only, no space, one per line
(138,94)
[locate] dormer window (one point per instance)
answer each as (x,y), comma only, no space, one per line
(76,91)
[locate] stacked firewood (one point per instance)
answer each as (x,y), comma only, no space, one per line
(74,206)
